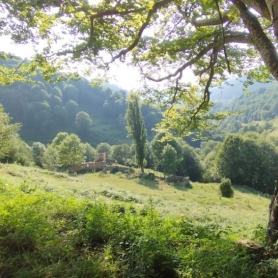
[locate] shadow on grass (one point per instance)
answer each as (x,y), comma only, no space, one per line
(152,184)
(182,188)
(249,190)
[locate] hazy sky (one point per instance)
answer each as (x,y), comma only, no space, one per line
(125,76)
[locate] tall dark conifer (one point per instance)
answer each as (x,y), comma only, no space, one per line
(136,129)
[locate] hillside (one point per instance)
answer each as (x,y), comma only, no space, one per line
(232,89)
(271,132)
(44,109)
(104,225)
(250,112)
(193,202)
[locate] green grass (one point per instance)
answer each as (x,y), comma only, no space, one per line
(104,225)
(200,203)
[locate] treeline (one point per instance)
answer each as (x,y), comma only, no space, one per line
(95,114)
(247,159)
(68,150)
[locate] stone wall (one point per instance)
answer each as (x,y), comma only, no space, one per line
(89,166)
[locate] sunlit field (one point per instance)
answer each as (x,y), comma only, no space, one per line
(200,203)
(105,225)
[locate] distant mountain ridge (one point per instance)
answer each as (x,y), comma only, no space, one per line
(232,89)
(259,105)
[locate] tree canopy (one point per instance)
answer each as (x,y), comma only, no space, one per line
(71,151)
(169,160)
(248,160)
(8,132)
(83,121)
(162,38)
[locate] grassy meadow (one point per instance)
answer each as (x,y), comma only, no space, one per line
(118,225)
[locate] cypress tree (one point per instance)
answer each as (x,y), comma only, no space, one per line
(136,129)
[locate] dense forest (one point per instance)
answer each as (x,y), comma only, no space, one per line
(258,105)
(96,114)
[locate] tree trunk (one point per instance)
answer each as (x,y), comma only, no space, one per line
(260,40)
(273,10)
(142,169)
(272,227)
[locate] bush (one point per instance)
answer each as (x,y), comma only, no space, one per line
(151,176)
(114,170)
(226,188)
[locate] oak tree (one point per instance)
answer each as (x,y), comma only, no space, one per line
(103,147)
(121,153)
(162,38)
(83,122)
(50,159)
(90,152)
(169,160)
(38,149)
(71,151)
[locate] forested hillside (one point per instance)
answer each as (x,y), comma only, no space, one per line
(250,112)
(96,114)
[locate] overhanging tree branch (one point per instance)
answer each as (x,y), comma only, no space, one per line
(273,10)
(236,38)
(210,21)
(206,94)
(115,12)
(151,12)
(223,36)
(260,6)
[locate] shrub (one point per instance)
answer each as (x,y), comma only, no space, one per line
(114,170)
(151,176)
(226,188)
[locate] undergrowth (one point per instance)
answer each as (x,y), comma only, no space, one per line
(46,235)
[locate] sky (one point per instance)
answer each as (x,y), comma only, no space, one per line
(126,77)
(122,75)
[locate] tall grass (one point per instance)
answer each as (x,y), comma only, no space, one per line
(46,235)
(200,203)
(55,225)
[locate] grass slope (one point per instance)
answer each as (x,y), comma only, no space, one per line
(96,225)
(198,203)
